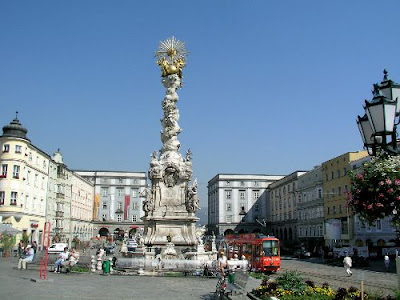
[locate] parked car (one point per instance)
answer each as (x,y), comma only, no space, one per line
(109,249)
(57,247)
(302,253)
(131,245)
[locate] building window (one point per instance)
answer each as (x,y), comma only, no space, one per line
(119,218)
(120,192)
(228,219)
(104,216)
(329,211)
(104,205)
(340,208)
(6,148)
(228,194)
(339,191)
(334,209)
(228,207)
(378,224)
(135,205)
(13,199)
(242,195)
(256,183)
(2,196)
(16,172)
(18,149)
(135,181)
(332,175)
(256,207)
(120,180)
(228,183)
(104,192)
(338,173)
(256,194)
(242,183)
(134,218)
(135,193)
(4,171)
(242,207)
(119,205)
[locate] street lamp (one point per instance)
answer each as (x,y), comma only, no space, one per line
(378,125)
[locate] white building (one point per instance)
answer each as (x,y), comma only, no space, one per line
(23,182)
(117,202)
(238,202)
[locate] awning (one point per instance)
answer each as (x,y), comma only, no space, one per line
(5,229)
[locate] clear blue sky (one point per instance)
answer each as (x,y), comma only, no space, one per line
(270,87)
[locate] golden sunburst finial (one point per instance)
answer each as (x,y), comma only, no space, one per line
(171,56)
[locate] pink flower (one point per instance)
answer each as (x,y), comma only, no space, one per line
(390,191)
(359,176)
(358,191)
(398,198)
(381,183)
(379,205)
(388,181)
(397,182)
(381,195)
(369,206)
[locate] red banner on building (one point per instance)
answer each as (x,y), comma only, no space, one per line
(127,202)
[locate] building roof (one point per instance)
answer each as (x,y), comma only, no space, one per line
(15,129)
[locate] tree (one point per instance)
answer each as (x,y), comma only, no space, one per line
(8,242)
(375,189)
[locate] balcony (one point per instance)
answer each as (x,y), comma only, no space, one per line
(60,195)
(59,214)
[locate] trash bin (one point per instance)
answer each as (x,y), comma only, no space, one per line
(106,267)
(231,277)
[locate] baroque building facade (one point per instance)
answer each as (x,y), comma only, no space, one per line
(339,229)
(23,182)
(310,209)
(238,203)
(69,204)
(284,198)
(117,208)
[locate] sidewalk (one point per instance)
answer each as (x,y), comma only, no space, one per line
(18,284)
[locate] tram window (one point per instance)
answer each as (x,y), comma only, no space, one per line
(260,250)
(247,249)
(270,247)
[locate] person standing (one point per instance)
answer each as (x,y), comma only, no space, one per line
(222,262)
(347,263)
(27,257)
(387,262)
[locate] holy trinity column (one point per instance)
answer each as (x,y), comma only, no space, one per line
(171,201)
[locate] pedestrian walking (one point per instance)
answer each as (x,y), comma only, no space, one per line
(387,262)
(347,263)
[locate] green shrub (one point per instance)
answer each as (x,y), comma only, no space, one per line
(291,281)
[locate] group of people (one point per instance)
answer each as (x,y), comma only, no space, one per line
(66,259)
(25,255)
(348,262)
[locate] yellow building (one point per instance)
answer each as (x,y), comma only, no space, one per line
(338,229)
(23,182)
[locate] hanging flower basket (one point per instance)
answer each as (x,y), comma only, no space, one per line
(375,189)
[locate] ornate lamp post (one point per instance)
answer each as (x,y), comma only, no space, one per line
(378,125)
